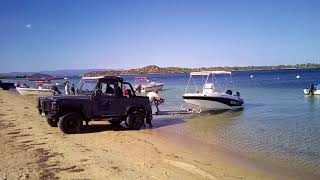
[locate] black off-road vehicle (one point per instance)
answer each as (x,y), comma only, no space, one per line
(97,98)
(6,86)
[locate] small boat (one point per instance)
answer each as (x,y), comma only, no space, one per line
(142,84)
(46,82)
(212,97)
(44,87)
(25,91)
(316,91)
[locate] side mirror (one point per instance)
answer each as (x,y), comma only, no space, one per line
(97,92)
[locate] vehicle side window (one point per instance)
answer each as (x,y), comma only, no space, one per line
(107,89)
(126,90)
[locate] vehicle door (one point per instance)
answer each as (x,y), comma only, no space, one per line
(119,102)
(102,99)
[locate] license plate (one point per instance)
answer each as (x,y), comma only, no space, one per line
(43,114)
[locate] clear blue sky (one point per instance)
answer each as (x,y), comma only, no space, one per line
(74,34)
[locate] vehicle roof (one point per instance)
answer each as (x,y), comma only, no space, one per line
(113,78)
(201,73)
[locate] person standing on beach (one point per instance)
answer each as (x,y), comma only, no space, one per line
(67,88)
(73,90)
(18,84)
(155,98)
(56,90)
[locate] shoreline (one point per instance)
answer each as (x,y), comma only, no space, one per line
(271,167)
(32,149)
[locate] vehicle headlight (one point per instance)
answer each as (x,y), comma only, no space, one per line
(54,105)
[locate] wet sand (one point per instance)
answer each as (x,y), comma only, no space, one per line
(31,149)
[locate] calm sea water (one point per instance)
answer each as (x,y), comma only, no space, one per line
(278,124)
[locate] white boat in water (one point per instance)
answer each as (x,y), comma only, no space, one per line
(25,91)
(212,97)
(315,91)
(142,84)
(44,87)
(46,83)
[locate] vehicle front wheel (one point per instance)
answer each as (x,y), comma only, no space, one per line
(70,123)
(135,120)
(53,122)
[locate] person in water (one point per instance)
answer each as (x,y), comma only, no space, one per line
(73,90)
(312,89)
(139,88)
(67,88)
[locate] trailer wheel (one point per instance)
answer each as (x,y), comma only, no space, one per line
(70,123)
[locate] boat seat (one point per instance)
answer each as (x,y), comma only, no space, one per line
(208,88)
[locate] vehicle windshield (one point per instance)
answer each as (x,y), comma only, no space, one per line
(87,86)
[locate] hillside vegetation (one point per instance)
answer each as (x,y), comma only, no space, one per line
(153,69)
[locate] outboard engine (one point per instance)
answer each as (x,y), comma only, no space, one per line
(238,94)
(229,92)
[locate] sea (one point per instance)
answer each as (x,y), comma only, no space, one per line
(278,123)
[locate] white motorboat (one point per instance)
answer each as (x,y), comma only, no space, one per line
(44,87)
(315,91)
(142,84)
(50,85)
(25,91)
(213,95)
(46,83)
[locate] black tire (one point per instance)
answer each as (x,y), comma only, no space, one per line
(52,122)
(70,123)
(135,120)
(5,88)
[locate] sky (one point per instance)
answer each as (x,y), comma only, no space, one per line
(38,35)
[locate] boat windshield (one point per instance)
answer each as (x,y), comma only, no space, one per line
(87,86)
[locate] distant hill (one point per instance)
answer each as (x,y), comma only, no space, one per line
(39,75)
(152,69)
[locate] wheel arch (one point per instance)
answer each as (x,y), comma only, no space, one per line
(80,110)
(130,109)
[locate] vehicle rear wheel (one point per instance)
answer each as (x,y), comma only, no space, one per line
(53,122)
(135,120)
(70,123)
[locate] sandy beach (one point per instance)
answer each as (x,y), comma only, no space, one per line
(31,149)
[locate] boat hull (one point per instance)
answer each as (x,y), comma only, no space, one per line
(306,92)
(157,87)
(35,92)
(220,102)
